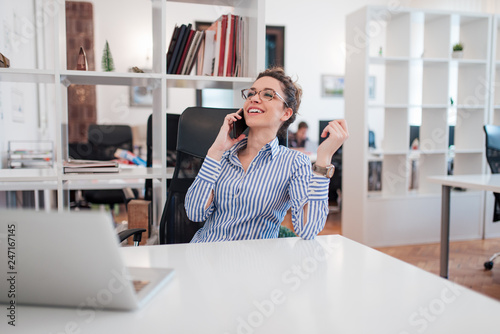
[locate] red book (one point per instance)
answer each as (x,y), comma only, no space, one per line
(222,45)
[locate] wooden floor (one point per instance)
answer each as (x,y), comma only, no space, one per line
(466,265)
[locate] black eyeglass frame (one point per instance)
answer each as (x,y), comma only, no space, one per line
(245,96)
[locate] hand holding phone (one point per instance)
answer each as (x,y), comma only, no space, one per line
(239,126)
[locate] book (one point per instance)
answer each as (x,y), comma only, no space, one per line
(90,166)
(222,49)
(242,48)
(171,46)
(196,51)
(91,169)
(209,52)
(182,44)
(182,33)
(234,44)
(89,163)
(218,51)
(193,53)
(238,48)
(215,69)
(187,46)
(229,36)
(200,57)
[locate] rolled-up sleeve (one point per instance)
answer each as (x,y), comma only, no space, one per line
(308,188)
(199,193)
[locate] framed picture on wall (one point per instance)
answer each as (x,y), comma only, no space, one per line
(332,85)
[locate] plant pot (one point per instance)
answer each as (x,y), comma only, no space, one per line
(457,54)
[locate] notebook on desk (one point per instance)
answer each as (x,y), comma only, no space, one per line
(70,259)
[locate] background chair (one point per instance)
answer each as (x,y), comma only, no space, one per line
(103,141)
(493,157)
(198,128)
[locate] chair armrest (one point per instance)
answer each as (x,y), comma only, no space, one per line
(136,232)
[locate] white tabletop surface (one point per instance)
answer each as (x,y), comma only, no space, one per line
(488,182)
(328,285)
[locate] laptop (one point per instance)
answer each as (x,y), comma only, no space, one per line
(70,259)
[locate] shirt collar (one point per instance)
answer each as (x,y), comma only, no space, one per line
(272,147)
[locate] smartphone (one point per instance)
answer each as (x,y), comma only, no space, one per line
(239,126)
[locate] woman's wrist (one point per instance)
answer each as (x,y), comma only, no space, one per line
(215,154)
(323,161)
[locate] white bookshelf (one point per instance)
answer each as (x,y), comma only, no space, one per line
(57,78)
(416,77)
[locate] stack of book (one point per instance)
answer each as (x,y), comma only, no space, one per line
(218,51)
(90,166)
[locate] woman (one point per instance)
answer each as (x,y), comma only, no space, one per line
(247,184)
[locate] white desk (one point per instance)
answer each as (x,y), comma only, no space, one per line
(48,179)
(477,181)
(328,285)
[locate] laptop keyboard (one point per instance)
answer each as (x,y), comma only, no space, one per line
(139,285)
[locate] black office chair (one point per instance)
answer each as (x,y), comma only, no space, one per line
(198,128)
(493,157)
(103,141)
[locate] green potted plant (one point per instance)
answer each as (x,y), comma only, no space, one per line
(458,50)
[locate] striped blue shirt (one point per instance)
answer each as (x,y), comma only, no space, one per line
(252,204)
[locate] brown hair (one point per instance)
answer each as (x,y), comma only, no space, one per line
(302,125)
(292,91)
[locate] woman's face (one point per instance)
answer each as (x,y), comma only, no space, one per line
(261,113)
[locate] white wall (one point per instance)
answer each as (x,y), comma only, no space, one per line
(131,45)
(314,40)
(19,102)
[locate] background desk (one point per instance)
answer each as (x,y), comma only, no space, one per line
(484,182)
(328,285)
(48,179)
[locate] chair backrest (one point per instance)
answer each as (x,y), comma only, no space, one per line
(493,147)
(172,129)
(493,158)
(198,128)
(105,139)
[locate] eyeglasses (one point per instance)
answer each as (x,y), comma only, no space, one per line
(265,94)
